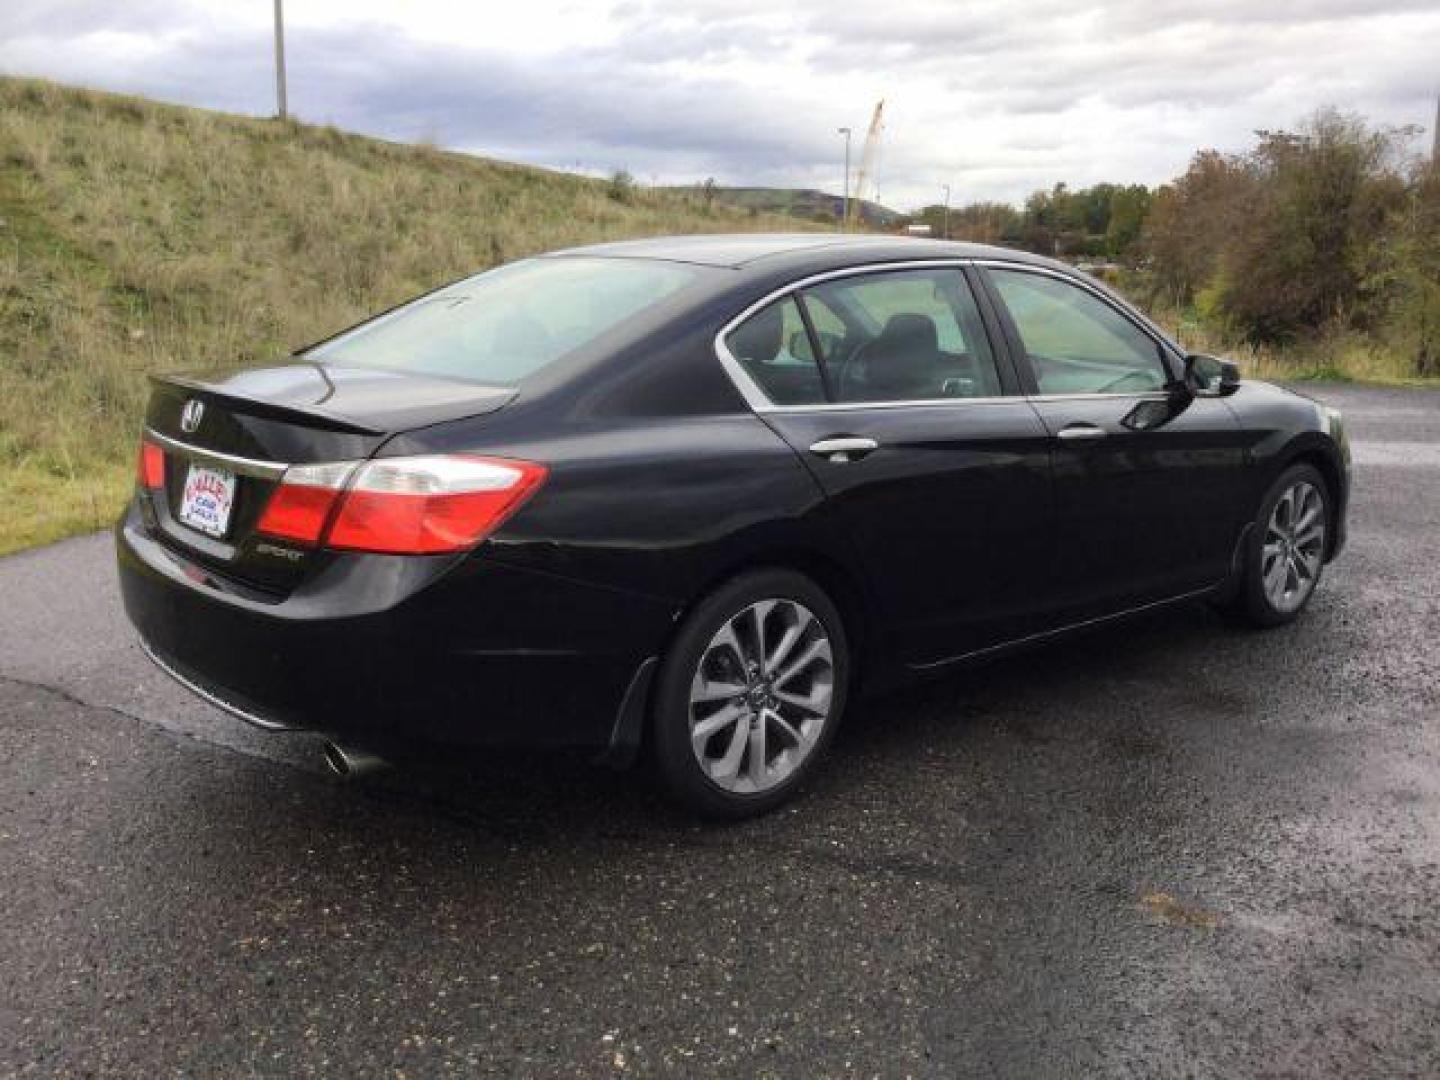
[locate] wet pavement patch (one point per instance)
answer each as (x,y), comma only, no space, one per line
(1172,848)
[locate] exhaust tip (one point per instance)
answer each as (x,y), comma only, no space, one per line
(351,764)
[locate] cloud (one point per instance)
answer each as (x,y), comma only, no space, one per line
(996,99)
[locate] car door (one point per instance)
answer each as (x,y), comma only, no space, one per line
(937,471)
(1145,477)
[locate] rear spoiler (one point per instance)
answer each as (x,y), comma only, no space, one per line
(314,416)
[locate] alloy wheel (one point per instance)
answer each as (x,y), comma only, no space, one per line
(1294,547)
(761,696)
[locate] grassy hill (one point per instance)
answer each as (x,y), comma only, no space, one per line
(138,237)
(808,204)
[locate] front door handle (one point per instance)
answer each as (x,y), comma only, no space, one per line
(1080,431)
(843,448)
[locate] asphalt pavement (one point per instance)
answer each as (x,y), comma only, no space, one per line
(1172,848)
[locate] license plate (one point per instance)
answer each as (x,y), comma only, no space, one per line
(208,497)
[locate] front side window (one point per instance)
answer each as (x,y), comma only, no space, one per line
(905,335)
(774,349)
(1075,342)
(507,323)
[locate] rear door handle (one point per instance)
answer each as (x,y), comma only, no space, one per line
(843,448)
(1080,431)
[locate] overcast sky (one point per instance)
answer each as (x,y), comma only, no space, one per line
(997,99)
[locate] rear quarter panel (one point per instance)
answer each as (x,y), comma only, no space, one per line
(661,506)
(662,481)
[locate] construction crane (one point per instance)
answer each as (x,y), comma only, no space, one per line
(869,165)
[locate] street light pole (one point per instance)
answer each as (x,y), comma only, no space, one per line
(945,227)
(280,58)
(845,199)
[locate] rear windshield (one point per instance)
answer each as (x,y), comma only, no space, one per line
(507,323)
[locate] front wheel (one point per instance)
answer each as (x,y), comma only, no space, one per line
(749,694)
(1285,552)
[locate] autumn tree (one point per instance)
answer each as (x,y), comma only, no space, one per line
(1328,195)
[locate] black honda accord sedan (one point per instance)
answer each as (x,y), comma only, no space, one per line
(690,495)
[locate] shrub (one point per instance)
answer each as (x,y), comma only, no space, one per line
(621,187)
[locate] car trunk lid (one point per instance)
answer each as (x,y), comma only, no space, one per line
(228,437)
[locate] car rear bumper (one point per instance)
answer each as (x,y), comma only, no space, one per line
(384,651)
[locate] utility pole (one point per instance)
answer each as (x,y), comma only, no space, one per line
(845,198)
(1435,137)
(280,58)
(945,227)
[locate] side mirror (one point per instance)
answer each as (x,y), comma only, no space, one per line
(1211,376)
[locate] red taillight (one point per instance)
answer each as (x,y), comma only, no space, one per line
(399,506)
(424,505)
(299,508)
(150,466)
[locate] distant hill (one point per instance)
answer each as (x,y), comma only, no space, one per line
(137,237)
(808,204)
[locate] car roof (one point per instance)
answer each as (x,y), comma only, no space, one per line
(798,250)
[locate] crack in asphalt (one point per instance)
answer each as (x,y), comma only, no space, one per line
(147,723)
(73,699)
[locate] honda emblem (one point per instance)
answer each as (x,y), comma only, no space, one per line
(191,415)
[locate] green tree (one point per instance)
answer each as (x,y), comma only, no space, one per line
(1409,276)
(1191,222)
(1128,208)
(1329,195)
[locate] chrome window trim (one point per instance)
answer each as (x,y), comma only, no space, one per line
(1137,395)
(998,399)
(760,403)
(265,470)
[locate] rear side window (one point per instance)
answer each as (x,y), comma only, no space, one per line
(905,335)
(774,349)
(1075,342)
(502,325)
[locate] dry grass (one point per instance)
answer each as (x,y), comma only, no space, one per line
(137,237)
(1338,357)
(1332,355)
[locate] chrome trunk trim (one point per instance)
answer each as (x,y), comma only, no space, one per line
(265,470)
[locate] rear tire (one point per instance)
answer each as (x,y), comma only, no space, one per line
(750,694)
(1285,552)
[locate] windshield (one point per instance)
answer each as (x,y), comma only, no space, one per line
(507,323)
